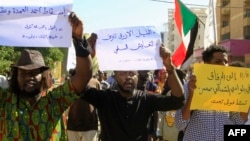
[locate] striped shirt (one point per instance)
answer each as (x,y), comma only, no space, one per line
(205,125)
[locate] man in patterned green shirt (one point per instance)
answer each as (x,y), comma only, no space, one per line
(26,115)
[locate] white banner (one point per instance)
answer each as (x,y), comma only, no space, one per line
(130,48)
(35,23)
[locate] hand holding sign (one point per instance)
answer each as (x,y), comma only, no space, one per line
(165,54)
(77,26)
(80,43)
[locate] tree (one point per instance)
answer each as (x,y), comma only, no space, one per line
(9,56)
(51,55)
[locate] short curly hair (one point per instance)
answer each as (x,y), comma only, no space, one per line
(207,54)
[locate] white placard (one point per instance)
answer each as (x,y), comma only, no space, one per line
(35,23)
(129,48)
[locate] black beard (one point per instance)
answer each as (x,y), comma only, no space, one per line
(125,91)
(30,94)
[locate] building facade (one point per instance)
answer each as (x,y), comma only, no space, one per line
(174,38)
(233,28)
(232,24)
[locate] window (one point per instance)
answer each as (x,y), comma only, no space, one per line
(247,13)
(225,36)
(224,3)
(246,32)
(225,23)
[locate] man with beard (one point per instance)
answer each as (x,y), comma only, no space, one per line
(124,113)
(26,114)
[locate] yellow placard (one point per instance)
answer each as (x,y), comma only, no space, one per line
(221,88)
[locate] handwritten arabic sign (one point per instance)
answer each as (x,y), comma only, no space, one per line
(37,23)
(132,48)
(221,88)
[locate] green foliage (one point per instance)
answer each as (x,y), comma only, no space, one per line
(9,56)
(51,55)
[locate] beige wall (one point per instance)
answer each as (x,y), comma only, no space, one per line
(233,12)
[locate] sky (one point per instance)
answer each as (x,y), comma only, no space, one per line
(105,14)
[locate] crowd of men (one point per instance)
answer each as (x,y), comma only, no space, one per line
(131,105)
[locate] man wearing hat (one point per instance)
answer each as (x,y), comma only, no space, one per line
(25,114)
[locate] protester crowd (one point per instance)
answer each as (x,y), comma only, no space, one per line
(135,105)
